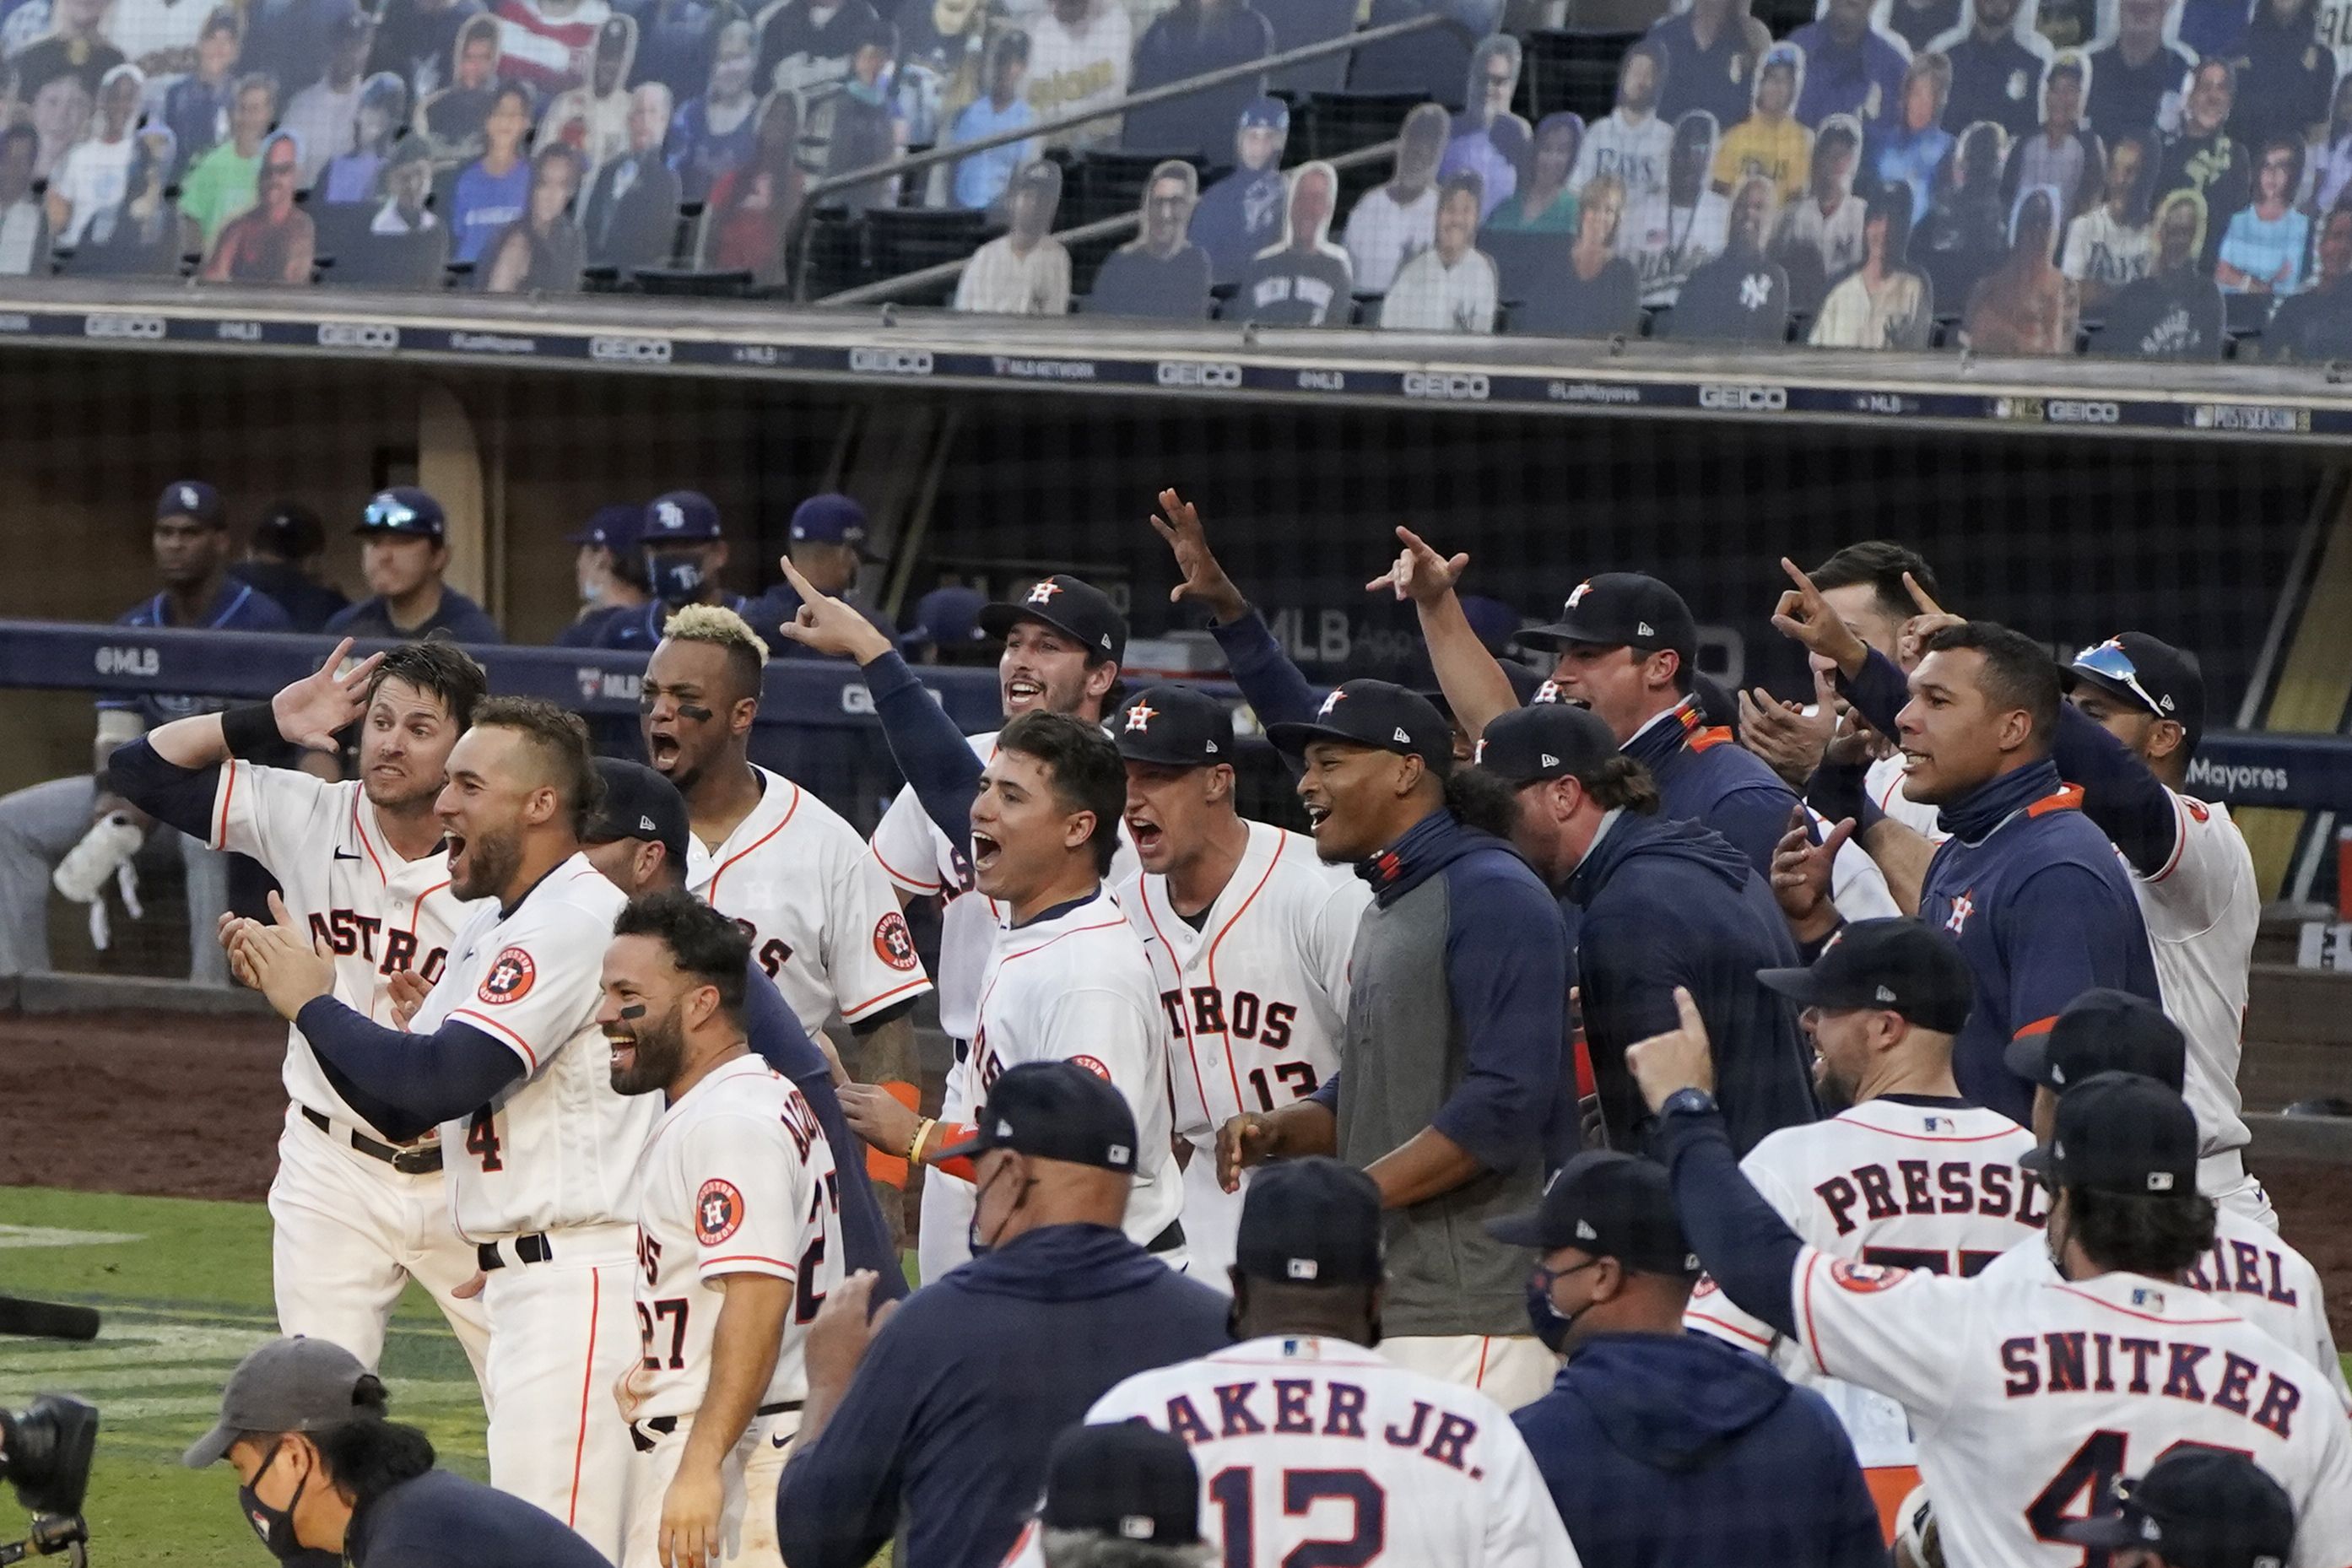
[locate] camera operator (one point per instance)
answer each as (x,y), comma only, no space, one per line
(320,1469)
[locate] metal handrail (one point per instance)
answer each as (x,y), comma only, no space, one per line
(1102,229)
(798,231)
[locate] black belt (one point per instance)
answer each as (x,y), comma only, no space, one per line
(421,1162)
(1168,1240)
(532,1249)
(663,1426)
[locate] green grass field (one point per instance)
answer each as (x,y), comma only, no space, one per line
(185,1289)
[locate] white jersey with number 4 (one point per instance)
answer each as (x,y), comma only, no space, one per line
(823,922)
(738,1179)
(1317,1451)
(2201,909)
(1909,1183)
(557,1148)
(1252,1002)
(2030,1398)
(377,913)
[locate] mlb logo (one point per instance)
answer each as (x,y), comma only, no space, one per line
(1939,1124)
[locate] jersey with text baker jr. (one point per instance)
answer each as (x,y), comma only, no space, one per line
(1907,1181)
(1315,1450)
(2030,1398)
(377,913)
(738,1179)
(557,1148)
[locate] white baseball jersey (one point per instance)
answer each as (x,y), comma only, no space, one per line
(736,1179)
(2201,909)
(1636,155)
(1317,1451)
(823,922)
(1905,1182)
(1252,999)
(557,1148)
(1884,784)
(2249,1270)
(377,913)
(2030,1398)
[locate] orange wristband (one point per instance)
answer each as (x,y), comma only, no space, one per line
(890,1170)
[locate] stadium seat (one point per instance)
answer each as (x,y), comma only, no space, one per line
(1573,69)
(835,253)
(907,239)
(1339,123)
(1298,22)
(1107,181)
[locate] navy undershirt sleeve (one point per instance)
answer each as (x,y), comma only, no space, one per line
(450,1073)
(1739,1237)
(1878,693)
(2128,803)
(182,797)
(932,753)
(1273,686)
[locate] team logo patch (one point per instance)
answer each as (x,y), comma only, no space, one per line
(1092,1066)
(893,943)
(509,978)
(1865,1278)
(718,1212)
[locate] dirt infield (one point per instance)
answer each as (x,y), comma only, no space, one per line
(177,1105)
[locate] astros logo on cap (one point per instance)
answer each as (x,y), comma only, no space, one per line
(1140,717)
(1578,593)
(1043,594)
(1330,702)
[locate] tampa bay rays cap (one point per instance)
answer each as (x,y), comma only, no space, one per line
(1897,964)
(1375,713)
(681,516)
(639,803)
(1548,741)
(1070,605)
(192,498)
(2144,673)
(2101,1030)
(1608,1205)
(290,531)
(1176,726)
(830,519)
(613,527)
(947,618)
(1622,609)
(404,509)
(1126,1481)
(2196,1508)
(297,1385)
(1056,1111)
(1267,112)
(1311,1221)
(2120,1132)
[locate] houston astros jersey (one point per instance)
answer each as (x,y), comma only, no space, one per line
(2249,1270)
(1251,1002)
(1905,1181)
(1884,784)
(557,1148)
(736,1179)
(2201,909)
(823,922)
(2030,1398)
(377,913)
(1318,1450)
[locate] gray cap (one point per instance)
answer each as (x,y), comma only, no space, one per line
(298,1384)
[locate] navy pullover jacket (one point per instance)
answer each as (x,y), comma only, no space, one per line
(1705,776)
(1674,1450)
(1670,903)
(961,1396)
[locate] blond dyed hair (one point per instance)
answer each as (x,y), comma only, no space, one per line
(716,624)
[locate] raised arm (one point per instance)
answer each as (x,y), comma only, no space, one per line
(1274,687)
(1472,681)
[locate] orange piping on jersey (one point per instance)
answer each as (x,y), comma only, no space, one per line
(1706,739)
(852,1013)
(2179,837)
(1852,1119)
(363,840)
(2039,1027)
(1184,1014)
(587,1377)
(1764,1340)
(1478,1379)
(1074,931)
(2149,1317)
(1222,932)
(914,884)
(228,793)
(1805,1295)
(790,1270)
(2067,799)
(711,897)
(520,1043)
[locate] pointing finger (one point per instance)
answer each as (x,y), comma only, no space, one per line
(1921,597)
(1796,575)
(1688,1008)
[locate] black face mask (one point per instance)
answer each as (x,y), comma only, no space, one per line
(274,1525)
(1551,1324)
(677,576)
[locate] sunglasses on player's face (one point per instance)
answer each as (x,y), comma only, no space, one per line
(2111,662)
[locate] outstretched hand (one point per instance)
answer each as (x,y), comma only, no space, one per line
(1204,578)
(1421,574)
(1801,874)
(312,708)
(1804,615)
(829,626)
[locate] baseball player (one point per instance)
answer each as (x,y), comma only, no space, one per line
(1248,934)
(1062,642)
(2258,1276)
(1313,1447)
(358,1205)
(1905,1172)
(2031,1397)
(505,1053)
(738,1240)
(1120,1493)
(823,923)
(684,548)
(2195,1507)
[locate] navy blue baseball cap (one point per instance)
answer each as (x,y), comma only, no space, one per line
(192,499)
(1311,1221)
(1126,1481)
(613,527)
(1055,1110)
(1546,740)
(2196,1508)
(1606,1203)
(2120,1132)
(1175,726)
(1070,605)
(2146,673)
(685,517)
(2101,1030)
(1622,609)
(1375,713)
(1897,964)
(639,803)
(1265,111)
(404,509)
(831,519)
(946,617)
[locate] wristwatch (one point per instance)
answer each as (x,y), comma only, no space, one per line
(1687,1102)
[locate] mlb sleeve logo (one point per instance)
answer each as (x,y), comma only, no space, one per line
(718,1212)
(509,978)
(893,942)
